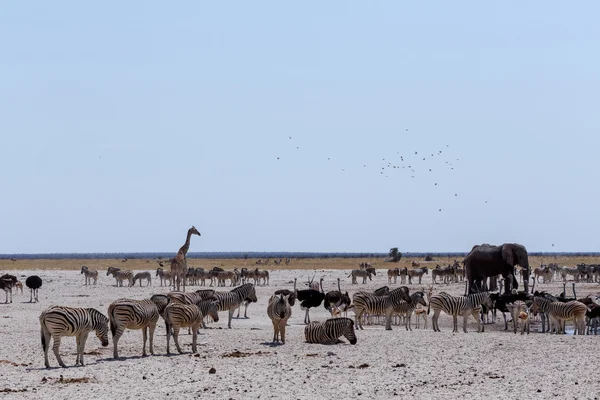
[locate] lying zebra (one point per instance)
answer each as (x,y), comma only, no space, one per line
(330,331)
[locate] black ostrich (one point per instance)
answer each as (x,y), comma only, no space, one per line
(309,298)
(33,282)
(336,299)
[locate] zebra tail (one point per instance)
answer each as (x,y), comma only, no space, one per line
(43,338)
(113,326)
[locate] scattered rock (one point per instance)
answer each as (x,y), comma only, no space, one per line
(212,371)
(361,366)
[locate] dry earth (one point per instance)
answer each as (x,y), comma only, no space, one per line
(383,364)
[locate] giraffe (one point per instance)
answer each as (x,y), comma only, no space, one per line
(179,262)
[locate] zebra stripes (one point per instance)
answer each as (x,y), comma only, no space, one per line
(405,308)
(372,304)
(120,275)
(193,297)
(330,331)
(133,314)
(164,276)
(279,311)
(58,321)
(89,275)
(562,312)
(231,300)
(179,315)
(457,305)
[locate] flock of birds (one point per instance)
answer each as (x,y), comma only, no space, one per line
(410,164)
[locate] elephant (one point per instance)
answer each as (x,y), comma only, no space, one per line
(486,261)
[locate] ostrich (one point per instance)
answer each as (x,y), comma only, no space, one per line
(33,282)
(335,298)
(309,298)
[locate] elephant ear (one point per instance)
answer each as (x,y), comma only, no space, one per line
(508,254)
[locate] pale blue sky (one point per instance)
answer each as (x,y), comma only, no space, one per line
(124,123)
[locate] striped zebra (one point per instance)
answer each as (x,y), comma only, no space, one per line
(89,275)
(362,273)
(264,275)
(140,276)
(193,297)
(562,312)
(279,311)
(330,331)
(417,273)
(458,305)
(57,322)
(231,300)
(7,282)
(406,309)
(179,315)
(164,276)
(120,275)
(374,305)
(134,314)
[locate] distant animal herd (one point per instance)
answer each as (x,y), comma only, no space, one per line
(486,271)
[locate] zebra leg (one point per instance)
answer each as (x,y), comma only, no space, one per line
(195,338)
(145,339)
(118,333)
(246,310)
(455,323)
(45,344)
(388,319)
(82,341)
(275,331)
(55,347)
(176,338)
(465,316)
(282,329)
(434,320)
(230,317)
(151,328)
(168,326)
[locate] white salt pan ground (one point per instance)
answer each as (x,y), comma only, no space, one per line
(417,364)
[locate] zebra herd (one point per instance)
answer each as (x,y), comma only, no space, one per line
(194,276)
(193,309)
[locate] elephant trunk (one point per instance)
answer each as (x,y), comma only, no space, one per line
(526,278)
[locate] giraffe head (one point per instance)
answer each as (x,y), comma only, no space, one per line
(194,231)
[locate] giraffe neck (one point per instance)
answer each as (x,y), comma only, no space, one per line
(186,246)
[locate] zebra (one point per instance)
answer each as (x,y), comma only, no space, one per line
(362,273)
(372,304)
(142,275)
(417,273)
(279,311)
(562,312)
(330,331)
(264,275)
(458,305)
(58,321)
(193,297)
(134,314)
(231,300)
(406,308)
(179,315)
(201,298)
(89,275)
(7,282)
(120,275)
(164,276)
(574,272)
(393,273)
(247,274)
